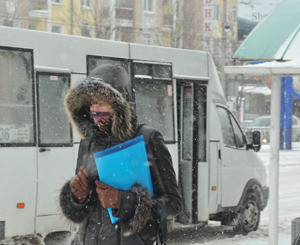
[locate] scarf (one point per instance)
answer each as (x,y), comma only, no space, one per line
(103,120)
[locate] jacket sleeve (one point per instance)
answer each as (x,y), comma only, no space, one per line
(73,210)
(167,198)
(136,207)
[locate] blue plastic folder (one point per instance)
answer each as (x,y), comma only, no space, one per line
(122,165)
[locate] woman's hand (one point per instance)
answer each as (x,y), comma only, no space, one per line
(80,185)
(108,195)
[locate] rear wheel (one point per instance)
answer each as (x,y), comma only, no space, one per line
(249,215)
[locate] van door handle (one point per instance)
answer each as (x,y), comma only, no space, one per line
(44,149)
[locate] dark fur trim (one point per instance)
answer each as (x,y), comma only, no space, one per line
(73,211)
(78,100)
(142,211)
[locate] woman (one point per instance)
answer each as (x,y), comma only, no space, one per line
(101,110)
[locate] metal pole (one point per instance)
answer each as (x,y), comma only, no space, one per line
(49,17)
(224,48)
(72,17)
(274,160)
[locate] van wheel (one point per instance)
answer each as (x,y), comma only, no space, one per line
(229,218)
(249,215)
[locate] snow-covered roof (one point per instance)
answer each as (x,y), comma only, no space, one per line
(288,68)
(255,90)
(274,37)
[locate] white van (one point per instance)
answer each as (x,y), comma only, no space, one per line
(176,91)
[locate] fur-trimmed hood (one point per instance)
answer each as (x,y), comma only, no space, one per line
(109,84)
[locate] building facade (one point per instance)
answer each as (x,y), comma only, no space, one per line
(202,25)
(209,25)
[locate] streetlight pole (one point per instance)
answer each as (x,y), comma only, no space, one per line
(224,46)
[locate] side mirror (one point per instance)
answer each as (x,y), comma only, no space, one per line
(256,144)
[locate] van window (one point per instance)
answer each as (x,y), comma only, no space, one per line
(227,130)
(239,136)
(232,134)
(17,125)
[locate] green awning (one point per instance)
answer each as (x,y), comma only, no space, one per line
(270,39)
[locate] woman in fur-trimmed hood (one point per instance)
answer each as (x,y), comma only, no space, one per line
(101,110)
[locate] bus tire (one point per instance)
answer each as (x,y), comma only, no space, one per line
(249,215)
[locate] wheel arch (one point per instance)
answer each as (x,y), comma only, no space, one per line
(253,185)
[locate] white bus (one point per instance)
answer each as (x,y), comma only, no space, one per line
(176,91)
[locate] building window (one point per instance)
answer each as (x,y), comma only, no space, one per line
(106,12)
(147,38)
(128,4)
(234,14)
(32,25)
(217,12)
(124,34)
(7,22)
(178,10)
(148,5)
(38,5)
(166,2)
(87,31)
(86,4)
(56,28)
(57,2)
(167,20)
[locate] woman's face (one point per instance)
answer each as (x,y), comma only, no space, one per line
(100,107)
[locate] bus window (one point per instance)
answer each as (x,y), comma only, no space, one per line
(54,128)
(201,98)
(17,125)
(154,106)
(142,69)
(162,71)
(154,98)
(94,61)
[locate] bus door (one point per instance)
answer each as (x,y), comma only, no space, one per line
(193,171)
(55,151)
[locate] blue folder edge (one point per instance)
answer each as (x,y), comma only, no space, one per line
(119,147)
(112,150)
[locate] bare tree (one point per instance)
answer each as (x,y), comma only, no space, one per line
(93,18)
(171,26)
(14,13)
(191,30)
(177,25)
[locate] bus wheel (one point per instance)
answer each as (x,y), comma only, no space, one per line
(249,215)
